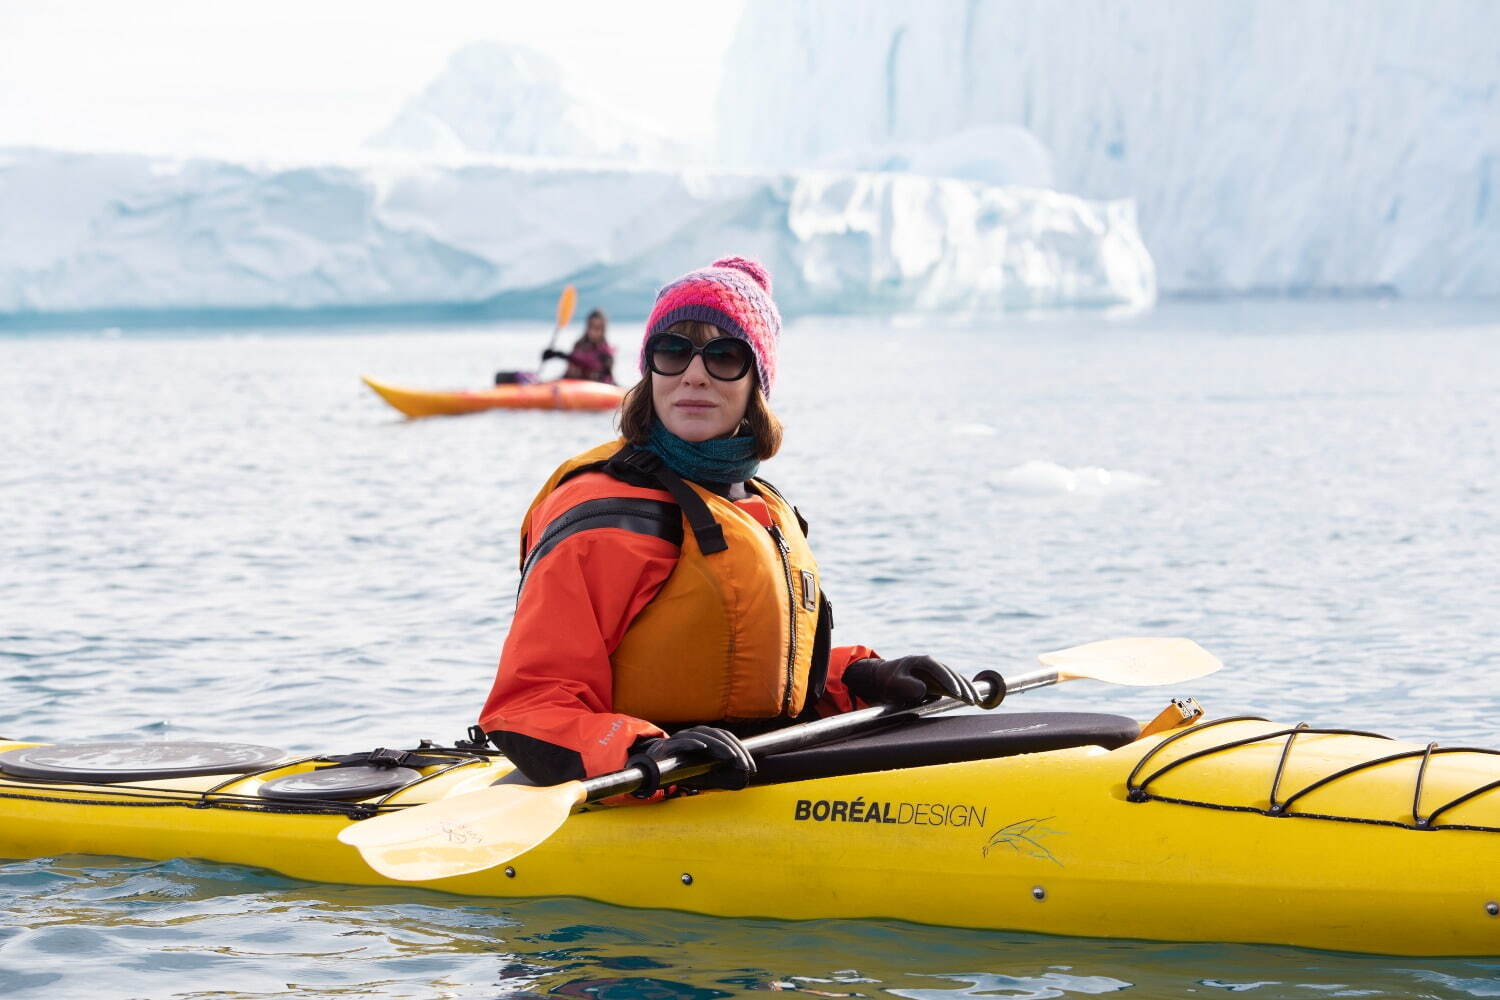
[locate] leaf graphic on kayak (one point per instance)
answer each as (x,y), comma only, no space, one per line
(1025,838)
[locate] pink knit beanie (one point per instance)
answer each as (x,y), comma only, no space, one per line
(732,293)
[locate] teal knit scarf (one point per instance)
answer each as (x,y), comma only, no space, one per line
(717,460)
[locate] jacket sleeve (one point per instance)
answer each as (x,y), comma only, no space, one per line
(550,708)
(836,698)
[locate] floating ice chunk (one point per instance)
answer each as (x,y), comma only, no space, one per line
(1043,478)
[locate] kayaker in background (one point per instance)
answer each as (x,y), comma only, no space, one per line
(669,603)
(591,357)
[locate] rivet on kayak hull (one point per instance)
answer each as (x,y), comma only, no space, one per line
(1038,893)
(510,872)
(687,879)
(1492,908)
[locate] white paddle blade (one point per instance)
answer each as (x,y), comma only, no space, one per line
(1141,661)
(464,834)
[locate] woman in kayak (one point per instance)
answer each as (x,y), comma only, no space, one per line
(591,357)
(669,603)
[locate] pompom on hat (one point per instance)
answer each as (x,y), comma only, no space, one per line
(732,293)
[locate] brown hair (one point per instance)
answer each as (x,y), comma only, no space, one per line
(636,411)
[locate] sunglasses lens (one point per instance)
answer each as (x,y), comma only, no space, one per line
(727,359)
(670,354)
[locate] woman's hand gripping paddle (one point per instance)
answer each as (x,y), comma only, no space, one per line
(566,302)
(483,829)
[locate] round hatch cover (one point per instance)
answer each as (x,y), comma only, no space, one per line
(111,762)
(342,783)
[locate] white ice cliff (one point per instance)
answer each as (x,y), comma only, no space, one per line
(100,233)
(1275,145)
(991,154)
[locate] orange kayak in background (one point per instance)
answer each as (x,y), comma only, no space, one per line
(562,394)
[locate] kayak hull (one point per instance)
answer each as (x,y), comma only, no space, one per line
(561,394)
(1048,842)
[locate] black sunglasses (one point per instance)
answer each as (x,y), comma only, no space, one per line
(727,359)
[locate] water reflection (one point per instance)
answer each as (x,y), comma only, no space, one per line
(119,930)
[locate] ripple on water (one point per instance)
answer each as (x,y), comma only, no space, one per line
(230,538)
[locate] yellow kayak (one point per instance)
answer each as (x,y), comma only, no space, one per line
(1233,830)
(561,394)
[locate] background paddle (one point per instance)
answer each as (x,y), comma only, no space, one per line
(566,302)
(489,827)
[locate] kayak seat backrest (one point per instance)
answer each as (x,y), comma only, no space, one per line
(950,739)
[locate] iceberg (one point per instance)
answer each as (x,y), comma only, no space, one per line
(1271,146)
(106,234)
(511,99)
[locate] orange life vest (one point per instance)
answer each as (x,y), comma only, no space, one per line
(739,631)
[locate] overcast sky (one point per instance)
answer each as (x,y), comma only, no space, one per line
(307,77)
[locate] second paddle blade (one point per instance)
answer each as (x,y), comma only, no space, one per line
(1142,661)
(464,834)
(565,304)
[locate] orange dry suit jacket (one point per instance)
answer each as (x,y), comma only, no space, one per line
(650,602)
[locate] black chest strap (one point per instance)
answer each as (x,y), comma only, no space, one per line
(635,465)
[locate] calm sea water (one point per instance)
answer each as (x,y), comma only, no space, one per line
(223,534)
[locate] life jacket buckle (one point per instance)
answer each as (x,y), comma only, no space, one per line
(809,591)
(636,459)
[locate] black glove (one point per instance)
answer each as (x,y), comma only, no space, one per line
(735,767)
(906,681)
(549,354)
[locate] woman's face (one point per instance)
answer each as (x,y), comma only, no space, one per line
(696,406)
(595,330)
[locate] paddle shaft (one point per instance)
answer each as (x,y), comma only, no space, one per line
(553,342)
(818,731)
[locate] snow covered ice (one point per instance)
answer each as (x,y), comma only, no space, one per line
(497,183)
(112,232)
(1279,145)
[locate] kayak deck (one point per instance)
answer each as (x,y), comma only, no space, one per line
(560,394)
(1239,830)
